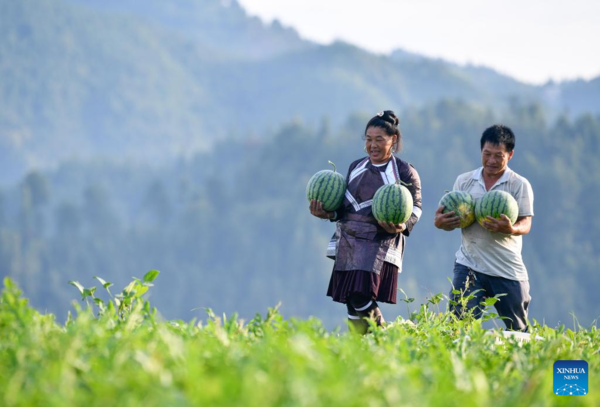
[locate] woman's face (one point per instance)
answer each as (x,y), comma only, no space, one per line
(379,144)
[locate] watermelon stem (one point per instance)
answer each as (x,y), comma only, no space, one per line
(403,183)
(333,165)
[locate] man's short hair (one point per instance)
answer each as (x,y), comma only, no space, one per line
(499,134)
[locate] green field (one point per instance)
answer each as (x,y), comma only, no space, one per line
(118,351)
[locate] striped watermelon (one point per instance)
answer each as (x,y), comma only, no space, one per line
(327,187)
(392,203)
(495,203)
(462,204)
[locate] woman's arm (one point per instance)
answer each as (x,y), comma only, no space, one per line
(411,176)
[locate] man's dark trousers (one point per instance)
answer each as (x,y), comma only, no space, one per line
(512,306)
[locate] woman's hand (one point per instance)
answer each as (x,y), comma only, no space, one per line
(316,209)
(391,228)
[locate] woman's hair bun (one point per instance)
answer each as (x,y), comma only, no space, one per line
(390,116)
(386,120)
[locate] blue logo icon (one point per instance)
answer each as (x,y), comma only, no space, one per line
(570,378)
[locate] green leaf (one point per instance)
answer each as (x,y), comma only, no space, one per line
(76,284)
(129,287)
(490,301)
(151,275)
(488,317)
(100,280)
(89,292)
(105,284)
(435,299)
(141,291)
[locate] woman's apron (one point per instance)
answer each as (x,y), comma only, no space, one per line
(359,243)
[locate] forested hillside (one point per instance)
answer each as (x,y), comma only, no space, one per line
(222,26)
(151,80)
(230,228)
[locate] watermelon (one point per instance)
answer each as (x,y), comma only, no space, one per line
(495,203)
(327,187)
(462,204)
(392,203)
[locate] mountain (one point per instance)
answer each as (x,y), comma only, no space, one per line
(571,97)
(150,80)
(575,97)
(75,82)
(469,81)
(222,26)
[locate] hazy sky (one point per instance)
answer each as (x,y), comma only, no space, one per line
(531,40)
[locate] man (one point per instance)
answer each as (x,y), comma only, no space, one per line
(489,258)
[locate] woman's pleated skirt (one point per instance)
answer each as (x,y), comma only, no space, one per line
(379,287)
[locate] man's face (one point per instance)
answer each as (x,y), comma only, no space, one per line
(494,158)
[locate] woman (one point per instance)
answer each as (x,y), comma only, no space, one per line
(367,253)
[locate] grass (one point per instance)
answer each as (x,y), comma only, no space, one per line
(119,352)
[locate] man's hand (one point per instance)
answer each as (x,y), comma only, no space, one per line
(446,221)
(316,209)
(391,228)
(502,225)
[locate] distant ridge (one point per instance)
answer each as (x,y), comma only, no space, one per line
(150,80)
(220,25)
